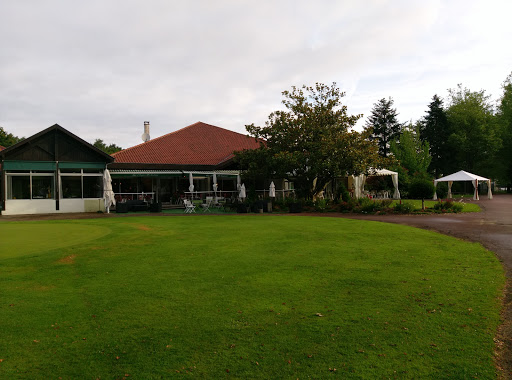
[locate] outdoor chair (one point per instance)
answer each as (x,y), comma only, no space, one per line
(189,206)
(206,206)
(217,203)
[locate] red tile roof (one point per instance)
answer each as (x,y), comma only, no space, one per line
(197,144)
(1,147)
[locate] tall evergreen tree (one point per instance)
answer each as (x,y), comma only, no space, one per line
(435,130)
(384,121)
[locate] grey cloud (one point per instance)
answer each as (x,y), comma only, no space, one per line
(102,68)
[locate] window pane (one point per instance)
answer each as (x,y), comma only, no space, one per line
(18,187)
(42,187)
(71,187)
(93,187)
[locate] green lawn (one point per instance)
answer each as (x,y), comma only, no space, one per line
(468,207)
(251,296)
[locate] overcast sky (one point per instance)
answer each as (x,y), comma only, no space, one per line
(100,68)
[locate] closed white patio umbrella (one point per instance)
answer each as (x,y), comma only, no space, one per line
(215,185)
(191,182)
(242,192)
(108,193)
(272,190)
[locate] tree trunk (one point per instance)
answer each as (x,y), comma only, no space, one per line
(320,186)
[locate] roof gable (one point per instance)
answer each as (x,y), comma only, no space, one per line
(55,144)
(197,144)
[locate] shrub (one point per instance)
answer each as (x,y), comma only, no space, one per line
(343,193)
(386,203)
(280,205)
(457,207)
(441,206)
(442,189)
(403,208)
(346,206)
(367,205)
(448,206)
(320,205)
(421,189)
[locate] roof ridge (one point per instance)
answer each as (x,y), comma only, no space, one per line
(178,130)
(156,138)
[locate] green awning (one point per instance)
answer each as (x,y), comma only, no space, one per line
(29,165)
(81,165)
(119,173)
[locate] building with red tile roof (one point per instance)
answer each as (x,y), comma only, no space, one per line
(200,145)
(167,167)
(1,148)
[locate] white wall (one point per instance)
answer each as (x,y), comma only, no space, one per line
(27,206)
(47,206)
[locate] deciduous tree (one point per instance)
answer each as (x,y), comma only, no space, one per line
(8,139)
(109,149)
(412,155)
(504,118)
(474,137)
(311,142)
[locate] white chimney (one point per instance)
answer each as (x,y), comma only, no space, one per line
(145,135)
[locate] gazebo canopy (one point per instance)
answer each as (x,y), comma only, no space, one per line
(464,176)
(460,176)
(373,171)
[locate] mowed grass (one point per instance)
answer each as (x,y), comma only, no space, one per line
(247,297)
(468,207)
(19,239)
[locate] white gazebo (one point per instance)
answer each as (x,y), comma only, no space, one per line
(464,176)
(360,180)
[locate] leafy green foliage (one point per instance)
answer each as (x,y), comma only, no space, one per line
(475,137)
(448,206)
(343,193)
(421,189)
(7,139)
(311,142)
(109,149)
(384,123)
(321,205)
(413,156)
(404,208)
(504,118)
